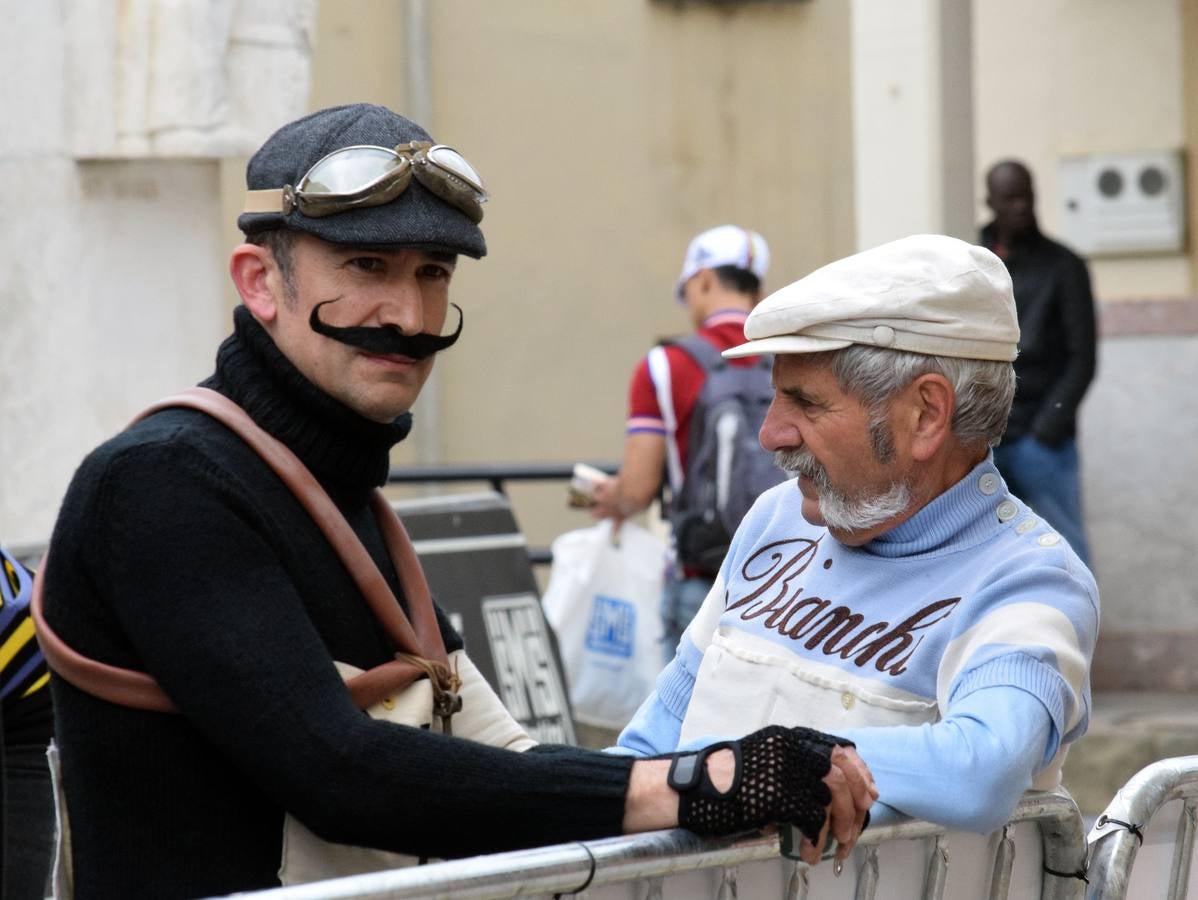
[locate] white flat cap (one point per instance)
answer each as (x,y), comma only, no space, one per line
(927,293)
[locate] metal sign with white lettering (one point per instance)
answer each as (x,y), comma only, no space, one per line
(525,666)
(476,562)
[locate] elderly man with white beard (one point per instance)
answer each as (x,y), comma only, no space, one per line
(894,592)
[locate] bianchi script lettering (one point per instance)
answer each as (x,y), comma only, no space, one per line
(834,630)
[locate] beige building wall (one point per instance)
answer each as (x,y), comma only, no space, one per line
(913,151)
(1189,88)
(115,122)
(1064,77)
(608,133)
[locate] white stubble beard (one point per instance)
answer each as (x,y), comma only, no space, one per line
(840,511)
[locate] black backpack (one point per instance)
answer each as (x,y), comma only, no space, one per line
(726,467)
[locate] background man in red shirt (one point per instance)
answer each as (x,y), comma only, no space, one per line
(720,282)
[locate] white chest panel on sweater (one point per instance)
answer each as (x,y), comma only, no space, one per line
(746,682)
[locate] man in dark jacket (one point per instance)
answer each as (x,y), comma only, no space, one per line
(1038,456)
(178,553)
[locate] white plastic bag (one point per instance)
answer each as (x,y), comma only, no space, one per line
(603,602)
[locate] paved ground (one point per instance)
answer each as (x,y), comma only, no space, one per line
(1127,732)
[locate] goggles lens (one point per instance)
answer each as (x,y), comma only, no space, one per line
(449,160)
(371,176)
(348,171)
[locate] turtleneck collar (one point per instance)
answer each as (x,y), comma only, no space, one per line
(1029,240)
(961,517)
(332,440)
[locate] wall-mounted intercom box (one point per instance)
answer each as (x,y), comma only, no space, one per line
(1121,203)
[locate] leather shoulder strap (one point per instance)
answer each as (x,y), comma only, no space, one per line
(420,637)
(328,518)
(123,687)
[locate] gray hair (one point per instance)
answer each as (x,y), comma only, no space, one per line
(984,388)
(281,244)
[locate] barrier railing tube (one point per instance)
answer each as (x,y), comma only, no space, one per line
(1004,863)
(1119,831)
(867,879)
(937,871)
(1183,855)
(799,884)
(1063,835)
(567,868)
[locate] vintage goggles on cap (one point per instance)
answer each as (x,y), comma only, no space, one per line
(364,175)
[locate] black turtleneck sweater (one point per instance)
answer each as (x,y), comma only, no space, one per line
(179,553)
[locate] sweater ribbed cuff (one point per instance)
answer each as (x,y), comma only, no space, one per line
(589,789)
(676,682)
(1019,670)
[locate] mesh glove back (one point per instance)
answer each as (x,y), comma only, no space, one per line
(778,779)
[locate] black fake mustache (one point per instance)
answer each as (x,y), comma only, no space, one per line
(386,339)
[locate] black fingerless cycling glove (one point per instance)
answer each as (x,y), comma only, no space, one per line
(778,779)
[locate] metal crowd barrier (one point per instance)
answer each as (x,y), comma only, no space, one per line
(676,864)
(497,476)
(1130,827)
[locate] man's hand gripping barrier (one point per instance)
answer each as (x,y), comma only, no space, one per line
(777,779)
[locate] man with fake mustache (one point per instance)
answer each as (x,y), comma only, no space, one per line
(222,746)
(894,591)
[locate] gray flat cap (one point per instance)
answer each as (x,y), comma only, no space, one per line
(417,218)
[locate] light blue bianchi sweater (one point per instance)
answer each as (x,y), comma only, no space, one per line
(954,650)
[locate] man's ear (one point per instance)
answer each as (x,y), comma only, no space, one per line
(251,268)
(706,280)
(933,403)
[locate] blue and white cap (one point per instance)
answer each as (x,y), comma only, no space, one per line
(725,245)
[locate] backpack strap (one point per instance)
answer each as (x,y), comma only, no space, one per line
(702,352)
(710,360)
(659,374)
(707,356)
(422,650)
